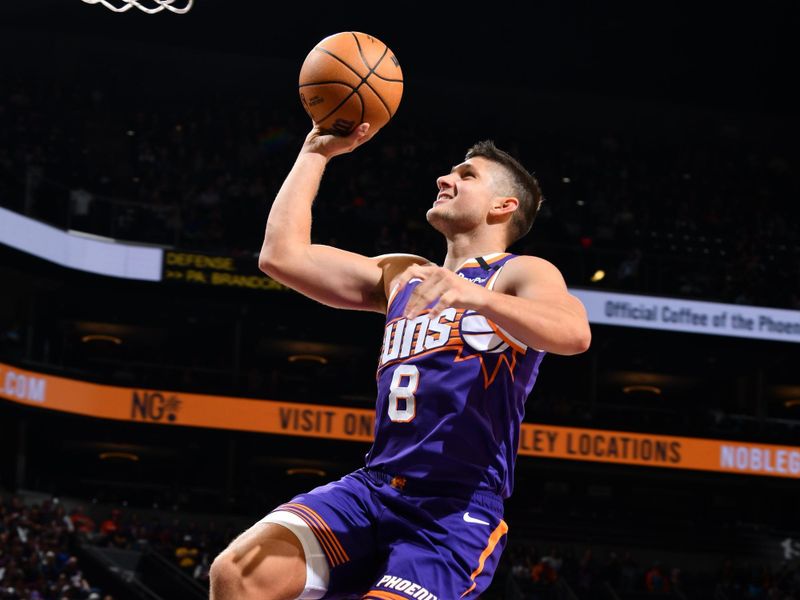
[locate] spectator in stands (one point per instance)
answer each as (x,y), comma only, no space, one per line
(544,572)
(521,563)
(554,557)
(110,531)
(655,581)
(629,572)
(34,554)
(726,584)
(612,571)
(82,522)
(187,555)
(758,583)
(201,570)
(587,575)
(676,580)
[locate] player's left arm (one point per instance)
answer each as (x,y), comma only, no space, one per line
(530,300)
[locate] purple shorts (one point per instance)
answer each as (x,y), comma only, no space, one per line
(386,538)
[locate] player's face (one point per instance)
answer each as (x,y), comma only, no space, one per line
(464,198)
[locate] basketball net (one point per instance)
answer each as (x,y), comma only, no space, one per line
(148,6)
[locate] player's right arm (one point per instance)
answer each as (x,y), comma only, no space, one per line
(329,275)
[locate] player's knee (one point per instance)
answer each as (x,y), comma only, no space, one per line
(225,578)
(228,582)
(237,579)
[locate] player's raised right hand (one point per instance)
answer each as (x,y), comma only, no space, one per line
(329,145)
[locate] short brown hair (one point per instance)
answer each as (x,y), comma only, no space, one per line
(522,185)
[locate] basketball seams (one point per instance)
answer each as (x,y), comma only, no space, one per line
(355,89)
(353,92)
(390,80)
(383,102)
(343,102)
(346,64)
(364,58)
(372,71)
(329,82)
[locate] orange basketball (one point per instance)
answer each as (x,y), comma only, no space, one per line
(350,78)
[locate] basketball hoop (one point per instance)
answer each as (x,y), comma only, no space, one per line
(148,6)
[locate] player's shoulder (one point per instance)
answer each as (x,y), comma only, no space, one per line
(529,262)
(523,269)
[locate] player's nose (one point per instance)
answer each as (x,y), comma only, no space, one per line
(444,182)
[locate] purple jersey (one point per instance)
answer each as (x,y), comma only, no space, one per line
(452,392)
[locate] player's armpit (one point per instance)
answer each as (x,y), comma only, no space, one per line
(393,266)
(329,275)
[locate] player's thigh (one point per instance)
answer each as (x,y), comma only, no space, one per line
(342,516)
(419,572)
(450,549)
(267,557)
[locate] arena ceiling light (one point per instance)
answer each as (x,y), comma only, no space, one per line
(598,275)
(119,456)
(306,471)
(99,337)
(646,389)
(308,358)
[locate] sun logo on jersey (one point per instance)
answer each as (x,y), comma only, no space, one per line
(491,345)
(480,334)
(467,334)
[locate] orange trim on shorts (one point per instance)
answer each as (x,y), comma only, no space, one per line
(322,536)
(333,549)
(495,536)
(381,595)
(327,528)
(336,553)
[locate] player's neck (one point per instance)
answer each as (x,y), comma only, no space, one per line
(461,249)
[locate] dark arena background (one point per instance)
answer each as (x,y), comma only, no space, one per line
(158,393)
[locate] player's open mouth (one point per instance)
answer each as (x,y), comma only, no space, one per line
(442,198)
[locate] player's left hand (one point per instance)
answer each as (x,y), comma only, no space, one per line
(441,286)
(329,145)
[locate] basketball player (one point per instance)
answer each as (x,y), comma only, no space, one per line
(461,350)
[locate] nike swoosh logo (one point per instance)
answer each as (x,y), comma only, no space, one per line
(469,519)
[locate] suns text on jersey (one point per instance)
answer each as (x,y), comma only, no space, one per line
(404,338)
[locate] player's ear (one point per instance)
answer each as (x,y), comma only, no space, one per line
(503,205)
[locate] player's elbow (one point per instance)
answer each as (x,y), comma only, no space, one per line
(280,253)
(581,339)
(274,250)
(271,263)
(266,263)
(580,333)
(573,340)
(284,267)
